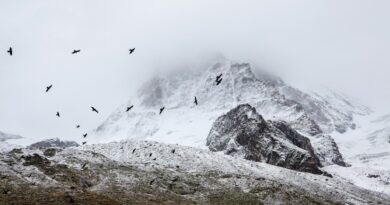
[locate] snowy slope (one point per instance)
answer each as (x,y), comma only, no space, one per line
(367,149)
(148,171)
(152,155)
(184,123)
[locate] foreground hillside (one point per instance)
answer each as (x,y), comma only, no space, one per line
(142,172)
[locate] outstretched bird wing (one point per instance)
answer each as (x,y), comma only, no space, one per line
(131,50)
(94,110)
(219,81)
(162,109)
(48,88)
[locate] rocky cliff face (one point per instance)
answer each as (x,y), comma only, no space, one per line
(327,151)
(55,142)
(244,133)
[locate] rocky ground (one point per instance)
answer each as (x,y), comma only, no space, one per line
(141,172)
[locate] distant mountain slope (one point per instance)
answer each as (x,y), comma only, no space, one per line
(183,122)
(367,149)
(5,146)
(6,136)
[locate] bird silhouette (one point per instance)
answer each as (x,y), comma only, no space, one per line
(94,109)
(131,50)
(150,154)
(77,126)
(48,88)
(58,114)
(152,181)
(85,164)
(218,77)
(85,135)
(219,81)
(196,101)
(133,150)
(75,51)
(129,108)
(161,110)
(84,142)
(10,51)
(173,151)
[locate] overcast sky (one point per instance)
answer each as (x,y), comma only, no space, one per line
(343,44)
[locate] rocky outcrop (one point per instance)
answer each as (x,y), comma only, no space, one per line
(327,151)
(243,132)
(54,143)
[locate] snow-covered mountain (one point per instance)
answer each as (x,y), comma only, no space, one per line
(330,120)
(182,122)
(264,121)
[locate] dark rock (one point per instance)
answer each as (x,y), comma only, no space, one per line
(373,176)
(36,160)
(53,143)
(51,152)
(243,132)
(296,138)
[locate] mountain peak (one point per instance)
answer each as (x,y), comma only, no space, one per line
(309,113)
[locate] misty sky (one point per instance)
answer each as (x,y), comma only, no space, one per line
(342,44)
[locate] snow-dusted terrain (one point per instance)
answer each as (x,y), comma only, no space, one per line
(147,172)
(320,115)
(346,139)
(367,149)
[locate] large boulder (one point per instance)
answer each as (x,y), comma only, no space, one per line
(244,133)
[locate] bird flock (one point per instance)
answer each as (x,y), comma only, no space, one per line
(218,80)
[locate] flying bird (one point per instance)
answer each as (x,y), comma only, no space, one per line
(161,110)
(75,51)
(84,142)
(58,114)
(10,51)
(219,81)
(133,150)
(131,50)
(48,88)
(218,77)
(129,108)
(94,110)
(77,126)
(196,101)
(151,182)
(85,164)
(173,151)
(85,135)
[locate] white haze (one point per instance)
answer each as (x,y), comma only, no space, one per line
(340,44)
